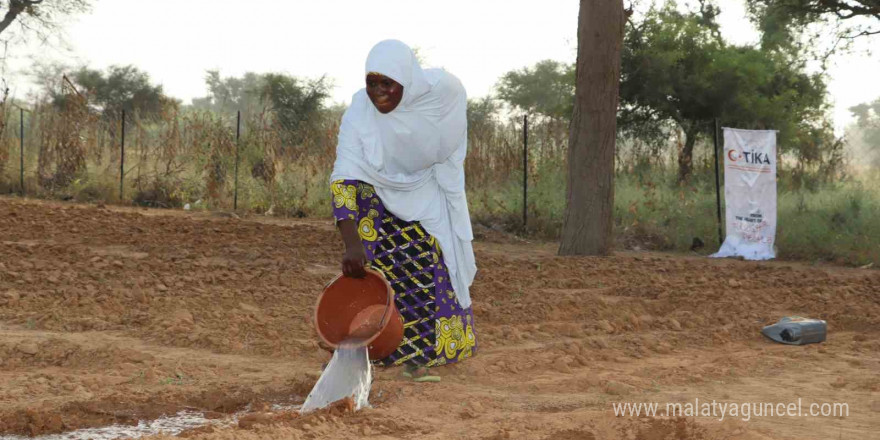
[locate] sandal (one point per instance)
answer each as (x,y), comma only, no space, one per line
(419,373)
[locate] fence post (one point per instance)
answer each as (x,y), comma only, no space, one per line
(21,149)
(525,171)
(718,186)
(237,136)
(122,160)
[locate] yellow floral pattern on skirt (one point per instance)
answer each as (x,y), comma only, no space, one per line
(437,331)
(455,339)
(344,195)
(367,228)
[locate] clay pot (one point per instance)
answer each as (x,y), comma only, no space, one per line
(359,312)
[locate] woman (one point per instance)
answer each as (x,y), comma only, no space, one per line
(399,201)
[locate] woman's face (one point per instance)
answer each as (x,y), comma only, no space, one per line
(385,92)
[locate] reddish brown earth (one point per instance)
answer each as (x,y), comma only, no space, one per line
(108,315)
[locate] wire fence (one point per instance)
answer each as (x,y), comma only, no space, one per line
(247,161)
(236,161)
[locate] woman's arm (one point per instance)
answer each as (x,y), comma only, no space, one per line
(355,258)
(344,193)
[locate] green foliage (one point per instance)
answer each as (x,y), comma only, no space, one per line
(121,88)
(481,115)
(295,104)
(836,223)
(668,66)
(231,94)
(781,22)
(867,133)
(679,74)
(546,88)
(833,222)
(293,101)
(678,69)
(868,117)
(772,92)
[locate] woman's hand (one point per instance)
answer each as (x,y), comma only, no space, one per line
(355,258)
(354,261)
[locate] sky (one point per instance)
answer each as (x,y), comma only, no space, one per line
(176,41)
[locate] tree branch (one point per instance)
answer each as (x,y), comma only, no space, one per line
(15,8)
(862,34)
(841,9)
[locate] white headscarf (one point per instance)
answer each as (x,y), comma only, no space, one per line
(414,155)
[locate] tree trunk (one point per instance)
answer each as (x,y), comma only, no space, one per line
(587,229)
(686,156)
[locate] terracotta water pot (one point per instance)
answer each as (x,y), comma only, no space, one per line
(361,312)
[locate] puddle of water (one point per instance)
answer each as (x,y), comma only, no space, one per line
(349,374)
(169,425)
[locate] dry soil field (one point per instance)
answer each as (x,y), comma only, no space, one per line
(111,315)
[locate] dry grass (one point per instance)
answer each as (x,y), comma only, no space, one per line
(186,156)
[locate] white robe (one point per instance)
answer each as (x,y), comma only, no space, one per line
(414,155)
